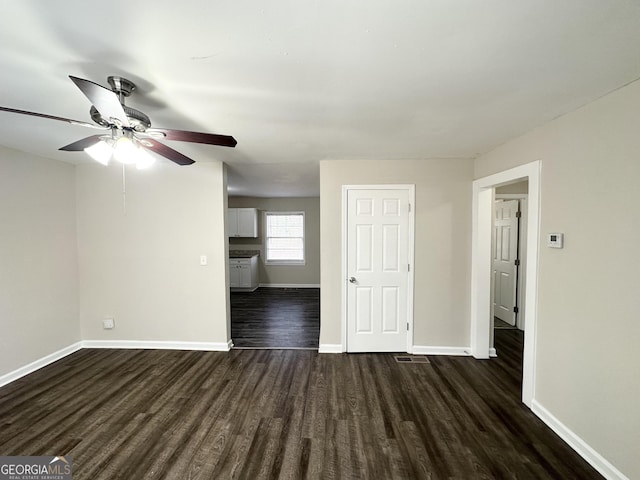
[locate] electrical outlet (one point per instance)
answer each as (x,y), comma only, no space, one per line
(108,323)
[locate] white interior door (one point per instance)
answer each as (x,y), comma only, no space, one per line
(505,254)
(377,270)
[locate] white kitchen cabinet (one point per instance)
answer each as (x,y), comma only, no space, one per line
(243,273)
(242,222)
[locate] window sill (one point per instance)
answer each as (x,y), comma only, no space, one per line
(290,263)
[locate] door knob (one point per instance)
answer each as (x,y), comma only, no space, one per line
(352,280)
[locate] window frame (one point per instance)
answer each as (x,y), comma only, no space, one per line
(267,261)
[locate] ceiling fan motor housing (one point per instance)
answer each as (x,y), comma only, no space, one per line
(138,120)
(123,88)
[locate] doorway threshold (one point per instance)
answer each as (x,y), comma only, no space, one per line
(275,348)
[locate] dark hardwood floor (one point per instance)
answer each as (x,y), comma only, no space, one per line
(267,414)
(276,318)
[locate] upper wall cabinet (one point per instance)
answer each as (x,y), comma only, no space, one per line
(243,222)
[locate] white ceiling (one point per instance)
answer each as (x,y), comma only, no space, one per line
(301,80)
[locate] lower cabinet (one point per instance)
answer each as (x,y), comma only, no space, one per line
(243,273)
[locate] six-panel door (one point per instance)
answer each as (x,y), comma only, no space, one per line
(505,253)
(377,265)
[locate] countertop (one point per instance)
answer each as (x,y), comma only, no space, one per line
(243,253)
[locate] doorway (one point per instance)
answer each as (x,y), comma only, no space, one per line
(280,309)
(517,192)
(508,251)
(481,299)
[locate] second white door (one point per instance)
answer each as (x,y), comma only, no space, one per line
(377,270)
(505,254)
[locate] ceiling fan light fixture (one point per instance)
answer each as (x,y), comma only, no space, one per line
(101,152)
(130,132)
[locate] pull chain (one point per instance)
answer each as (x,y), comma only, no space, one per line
(124,191)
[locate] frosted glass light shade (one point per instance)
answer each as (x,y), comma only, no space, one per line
(144,159)
(100,152)
(125,151)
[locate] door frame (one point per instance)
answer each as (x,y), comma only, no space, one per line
(483,201)
(411,190)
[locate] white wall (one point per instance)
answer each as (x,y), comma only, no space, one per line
(38,268)
(443,243)
(142,265)
(307,274)
(588,328)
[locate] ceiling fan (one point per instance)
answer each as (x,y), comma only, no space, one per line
(128,134)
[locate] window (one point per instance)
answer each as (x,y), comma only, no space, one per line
(284,238)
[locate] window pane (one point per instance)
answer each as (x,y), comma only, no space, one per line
(285,236)
(285,255)
(285,220)
(289,243)
(286,232)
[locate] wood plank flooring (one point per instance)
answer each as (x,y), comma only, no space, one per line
(276,318)
(290,414)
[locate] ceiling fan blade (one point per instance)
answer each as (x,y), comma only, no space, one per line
(105,100)
(196,137)
(52,117)
(167,152)
(81,144)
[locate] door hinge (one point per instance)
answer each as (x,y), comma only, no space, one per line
(518,214)
(517,262)
(407,326)
(515,309)
(408,267)
(409,208)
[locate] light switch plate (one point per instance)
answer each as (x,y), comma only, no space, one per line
(108,323)
(203,260)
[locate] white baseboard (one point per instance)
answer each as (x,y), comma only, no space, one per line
(456,351)
(596,460)
(417,350)
(38,364)
(330,348)
(289,285)
(55,356)
(159,345)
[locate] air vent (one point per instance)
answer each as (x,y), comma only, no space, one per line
(412,359)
